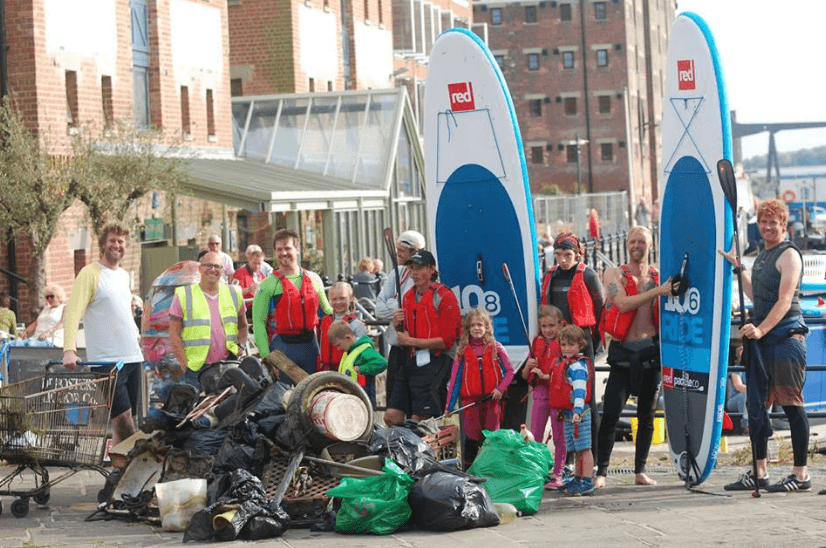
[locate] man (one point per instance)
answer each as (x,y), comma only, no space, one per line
(250,275)
(388,299)
(102,297)
(214,245)
(207,322)
(381,275)
(428,324)
(285,309)
(631,319)
(777,332)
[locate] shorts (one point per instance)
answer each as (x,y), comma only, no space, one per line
(422,391)
(126,389)
(582,440)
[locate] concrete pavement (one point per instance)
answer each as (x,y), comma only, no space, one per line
(619,515)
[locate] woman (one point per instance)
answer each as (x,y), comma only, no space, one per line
(47,329)
(364,281)
(8,321)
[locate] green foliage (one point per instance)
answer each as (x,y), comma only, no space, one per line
(552,190)
(805,157)
(111,171)
(33,185)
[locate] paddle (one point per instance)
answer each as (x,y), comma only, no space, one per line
(507,274)
(725,172)
(390,244)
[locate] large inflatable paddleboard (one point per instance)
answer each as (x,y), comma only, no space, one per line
(695,222)
(478,196)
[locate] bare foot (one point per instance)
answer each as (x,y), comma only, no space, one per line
(642,479)
(599,482)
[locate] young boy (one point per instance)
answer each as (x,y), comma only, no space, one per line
(361,361)
(572,395)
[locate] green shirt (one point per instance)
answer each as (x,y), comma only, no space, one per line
(8,321)
(369,362)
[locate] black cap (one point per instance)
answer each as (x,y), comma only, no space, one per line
(422,258)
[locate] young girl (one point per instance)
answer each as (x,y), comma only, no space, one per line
(570,391)
(537,372)
(342,302)
(481,370)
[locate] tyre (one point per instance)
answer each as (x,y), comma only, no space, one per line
(42,498)
(20,508)
(301,401)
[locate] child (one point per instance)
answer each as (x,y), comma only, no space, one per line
(481,370)
(570,391)
(537,372)
(360,360)
(341,300)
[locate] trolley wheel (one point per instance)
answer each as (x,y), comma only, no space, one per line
(42,498)
(1,507)
(20,508)
(106,493)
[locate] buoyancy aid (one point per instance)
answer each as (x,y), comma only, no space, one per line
(618,324)
(480,374)
(348,364)
(579,299)
(297,308)
(560,390)
(421,319)
(330,355)
(546,354)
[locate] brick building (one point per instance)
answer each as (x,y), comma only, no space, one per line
(300,46)
(159,63)
(585,70)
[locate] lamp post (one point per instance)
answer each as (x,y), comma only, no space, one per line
(579,143)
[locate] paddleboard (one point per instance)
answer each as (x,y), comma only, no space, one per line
(478,195)
(695,222)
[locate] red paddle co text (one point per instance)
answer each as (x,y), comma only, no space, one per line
(685,74)
(461,96)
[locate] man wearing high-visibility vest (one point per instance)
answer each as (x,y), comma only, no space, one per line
(207,322)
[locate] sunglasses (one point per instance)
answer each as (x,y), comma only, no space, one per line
(51,296)
(212,266)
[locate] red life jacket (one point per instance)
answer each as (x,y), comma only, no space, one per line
(546,355)
(480,374)
(330,355)
(297,309)
(618,324)
(579,300)
(421,319)
(560,390)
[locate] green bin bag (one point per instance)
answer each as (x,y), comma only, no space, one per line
(376,504)
(515,470)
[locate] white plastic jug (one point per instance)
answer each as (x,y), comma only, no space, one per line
(179,500)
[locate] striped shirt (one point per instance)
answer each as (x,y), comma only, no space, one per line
(577,377)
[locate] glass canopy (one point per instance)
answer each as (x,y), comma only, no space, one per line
(349,135)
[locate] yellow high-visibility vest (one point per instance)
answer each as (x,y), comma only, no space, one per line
(197,325)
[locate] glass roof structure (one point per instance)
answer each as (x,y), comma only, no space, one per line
(349,136)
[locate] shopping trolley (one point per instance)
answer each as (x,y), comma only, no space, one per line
(59,419)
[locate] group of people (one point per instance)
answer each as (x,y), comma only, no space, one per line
(439,362)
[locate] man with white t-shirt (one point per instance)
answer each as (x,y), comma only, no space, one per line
(102,297)
(207,321)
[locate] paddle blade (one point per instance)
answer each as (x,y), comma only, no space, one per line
(390,244)
(729,184)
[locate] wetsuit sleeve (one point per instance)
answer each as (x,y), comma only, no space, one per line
(453,385)
(506,363)
(269,288)
(323,303)
(83,291)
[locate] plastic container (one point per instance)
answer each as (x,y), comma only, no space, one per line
(179,500)
(507,512)
(339,416)
(659,430)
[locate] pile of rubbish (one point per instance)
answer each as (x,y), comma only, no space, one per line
(250,457)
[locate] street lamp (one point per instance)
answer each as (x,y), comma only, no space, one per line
(579,142)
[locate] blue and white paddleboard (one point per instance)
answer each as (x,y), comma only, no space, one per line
(478,195)
(695,222)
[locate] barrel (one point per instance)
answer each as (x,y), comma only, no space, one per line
(339,416)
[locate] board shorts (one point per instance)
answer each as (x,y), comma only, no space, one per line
(784,357)
(581,439)
(422,390)
(127,389)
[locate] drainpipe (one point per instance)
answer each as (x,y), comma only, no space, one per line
(4,91)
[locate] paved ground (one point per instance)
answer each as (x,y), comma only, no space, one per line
(620,515)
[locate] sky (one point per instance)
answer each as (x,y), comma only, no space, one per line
(772,56)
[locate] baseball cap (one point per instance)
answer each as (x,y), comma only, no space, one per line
(422,258)
(411,239)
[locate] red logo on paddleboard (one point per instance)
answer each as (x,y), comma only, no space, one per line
(685,74)
(461,96)
(668,378)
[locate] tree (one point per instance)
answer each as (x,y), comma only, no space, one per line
(34,187)
(112,170)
